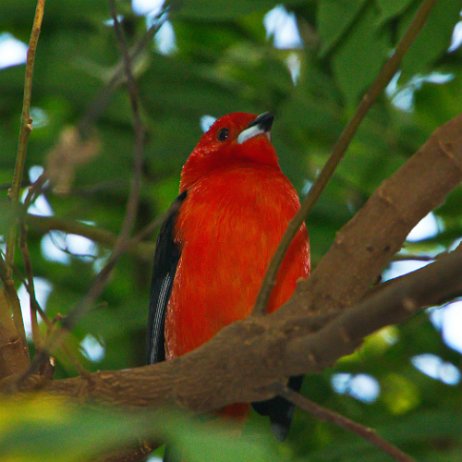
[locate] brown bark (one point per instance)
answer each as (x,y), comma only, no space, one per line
(261,352)
(14,357)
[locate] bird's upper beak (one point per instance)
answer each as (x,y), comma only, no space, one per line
(261,125)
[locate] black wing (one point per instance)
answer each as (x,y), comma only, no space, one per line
(166,259)
(279,410)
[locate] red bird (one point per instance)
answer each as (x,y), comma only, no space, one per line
(216,244)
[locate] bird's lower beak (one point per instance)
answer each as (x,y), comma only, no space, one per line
(261,125)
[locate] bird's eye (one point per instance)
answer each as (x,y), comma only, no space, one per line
(223,134)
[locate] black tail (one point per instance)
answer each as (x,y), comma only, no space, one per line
(279,410)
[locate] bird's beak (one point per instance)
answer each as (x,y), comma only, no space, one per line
(260,126)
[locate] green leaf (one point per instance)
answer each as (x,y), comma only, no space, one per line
(58,431)
(391,8)
(47,428)
(218,10)
(334,19)
(433,40)
(360,56)
(198,443)
(78,13)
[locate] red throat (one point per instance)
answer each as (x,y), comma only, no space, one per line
(213,153)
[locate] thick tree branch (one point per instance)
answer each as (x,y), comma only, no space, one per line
(14,357)
(431,285)
(262,351)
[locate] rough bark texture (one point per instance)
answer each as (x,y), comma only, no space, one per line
(202,381)
(248,360)
(13,353)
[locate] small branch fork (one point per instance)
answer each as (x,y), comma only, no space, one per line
(99,104)
(339,151)
(30,288)
(137,246)
(326,415)
(15,355)
(248,378)
(133,199)
(14,191)
(58,332)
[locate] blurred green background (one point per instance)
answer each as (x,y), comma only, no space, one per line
(308,62)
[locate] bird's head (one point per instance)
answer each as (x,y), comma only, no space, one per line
(233,140)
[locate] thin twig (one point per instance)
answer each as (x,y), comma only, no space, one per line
(57,333)
(327,415)
(122,241)
(34,190)
(133,199)
(24,131)
(339,150)
(30,287)
(99,104)
(68,352)
(147,230)
(135,246)
(404,257)
(35,307)
(26,124)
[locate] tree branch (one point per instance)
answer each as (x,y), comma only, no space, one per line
(261,352)
(431,285)
(26,124)
(379,84)
(36,338)
(57,333)
(99,104)
(13,193)
(14,357)
(131,208)
(143,250)
(364,246)
(324,414)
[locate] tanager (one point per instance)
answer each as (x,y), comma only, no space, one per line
(216,243)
